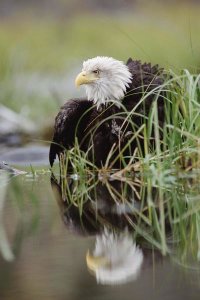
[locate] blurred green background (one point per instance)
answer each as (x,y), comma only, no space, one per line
(43,44)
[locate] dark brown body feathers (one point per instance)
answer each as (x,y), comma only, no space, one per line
(79,117)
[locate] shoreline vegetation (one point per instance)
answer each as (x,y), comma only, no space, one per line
(164,179)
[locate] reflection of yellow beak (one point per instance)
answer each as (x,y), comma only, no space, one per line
(95,263)
(84,78)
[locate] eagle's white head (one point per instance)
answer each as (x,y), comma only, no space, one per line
(105,78)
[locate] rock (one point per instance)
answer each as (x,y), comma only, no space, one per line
(7,168)
(35,155)
(12,122)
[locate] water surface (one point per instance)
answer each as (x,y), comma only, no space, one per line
(46,257)
(49,259)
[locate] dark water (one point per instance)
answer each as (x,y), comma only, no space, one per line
(43,258)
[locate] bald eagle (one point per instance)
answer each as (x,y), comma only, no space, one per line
(119,100)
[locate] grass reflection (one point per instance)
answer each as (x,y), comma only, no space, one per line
(164,216)
(5,248)
(20,210)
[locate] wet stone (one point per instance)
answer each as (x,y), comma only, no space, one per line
(26,156)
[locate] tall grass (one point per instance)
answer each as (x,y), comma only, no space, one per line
(174,144)
(163,178)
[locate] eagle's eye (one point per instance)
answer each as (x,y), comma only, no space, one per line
(96,71)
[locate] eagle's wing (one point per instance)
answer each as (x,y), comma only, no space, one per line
(147,80)
(71,121)
(145,76)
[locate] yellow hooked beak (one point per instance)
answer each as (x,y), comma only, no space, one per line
(95,263)
(84,78)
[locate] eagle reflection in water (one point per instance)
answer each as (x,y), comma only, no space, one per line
(116,258)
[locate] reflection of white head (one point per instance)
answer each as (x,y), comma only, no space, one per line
(116,258)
